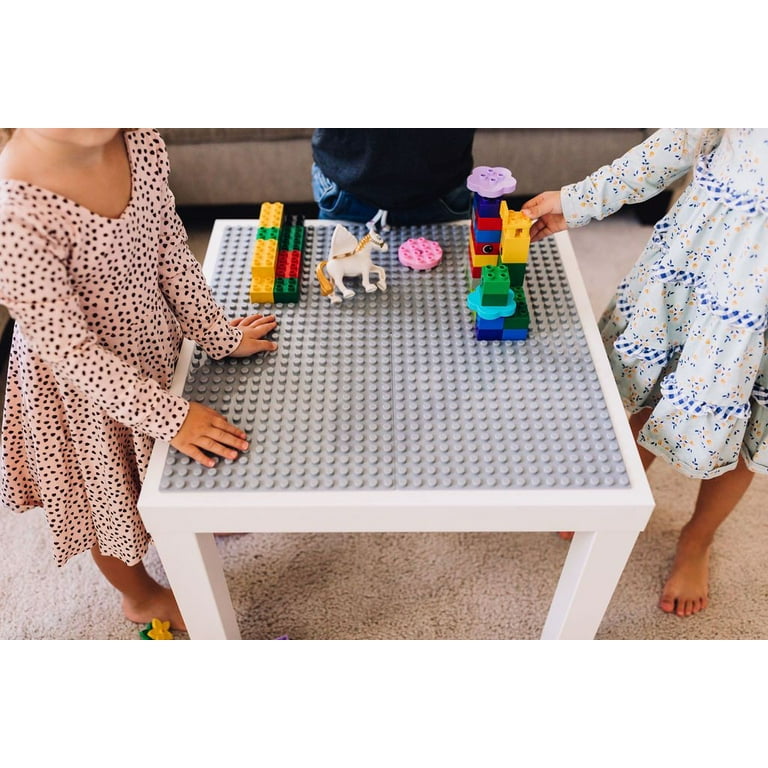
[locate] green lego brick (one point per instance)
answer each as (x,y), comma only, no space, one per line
(268,233)
(495,280)
(521,319)
(286,289)
(292,239)
(517,322)
(495,286)
(516,274)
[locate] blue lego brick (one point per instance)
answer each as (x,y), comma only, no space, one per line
(346,364)
(493,334)
(514,334)
(487,236)
(486,207)
(485,324)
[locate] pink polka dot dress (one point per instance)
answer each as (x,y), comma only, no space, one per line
(101,307)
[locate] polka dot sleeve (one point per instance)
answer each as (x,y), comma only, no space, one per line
(35,287)
(638,175)
(184,285)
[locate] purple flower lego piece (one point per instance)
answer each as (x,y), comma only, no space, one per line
(491,182)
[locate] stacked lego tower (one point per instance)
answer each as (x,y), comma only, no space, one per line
(277,257)
(498,255)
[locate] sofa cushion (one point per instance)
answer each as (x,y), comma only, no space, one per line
(226,135)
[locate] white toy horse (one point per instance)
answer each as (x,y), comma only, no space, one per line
(350,257)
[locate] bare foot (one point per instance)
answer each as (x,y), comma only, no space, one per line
(567,535)
(686,590)
(160,605)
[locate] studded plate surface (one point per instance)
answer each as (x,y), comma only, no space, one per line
(391,389)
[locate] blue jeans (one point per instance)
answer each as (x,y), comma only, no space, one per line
(335,203)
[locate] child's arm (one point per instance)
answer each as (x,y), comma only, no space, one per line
(36,289)
(191,300)
(638,175)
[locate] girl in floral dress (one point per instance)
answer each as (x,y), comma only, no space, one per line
(95,269)
(685,333)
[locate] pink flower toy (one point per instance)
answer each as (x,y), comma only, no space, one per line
(420,253)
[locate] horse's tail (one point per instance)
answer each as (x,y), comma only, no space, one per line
(326,287)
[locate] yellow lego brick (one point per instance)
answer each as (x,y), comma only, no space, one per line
(482,259)
(516,235)
(262,290)
(271,215)
(264,258)
(515,250)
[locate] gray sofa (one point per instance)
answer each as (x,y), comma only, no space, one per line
(236,166)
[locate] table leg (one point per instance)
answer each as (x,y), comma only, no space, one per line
(194,570)
(592,569)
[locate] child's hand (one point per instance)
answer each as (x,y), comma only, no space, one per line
(254,329)
(548,212)
(206,430)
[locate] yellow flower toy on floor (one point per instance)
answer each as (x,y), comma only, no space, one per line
(157,630)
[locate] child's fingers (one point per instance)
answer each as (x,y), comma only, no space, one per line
(541,205)
(533,208)
(260,330)
(206,430)
(266,346)
(252,320)
(195,453)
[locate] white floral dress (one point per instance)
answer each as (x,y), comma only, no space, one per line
(686,331)
(101,306)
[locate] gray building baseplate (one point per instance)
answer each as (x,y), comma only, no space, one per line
(392,390)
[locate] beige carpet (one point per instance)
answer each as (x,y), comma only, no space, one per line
(419,586)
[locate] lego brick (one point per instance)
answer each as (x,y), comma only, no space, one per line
(514,334)
(491,181)
(420,253)
(271,214)
(261,290)
(483,236)
(495,285)
(472,271)
(480,260)
(475,304)
(286,289)
(268,233)
(484,249)
(264,258)
(496,324)
(292,238)
(288,264)
(396,369)
(514,250)
(493,223)
(486,207)
(489,335)
(516,273)
(516,238)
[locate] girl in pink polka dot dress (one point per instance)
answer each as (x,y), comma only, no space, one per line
(95,270)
